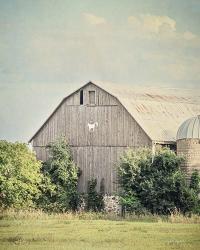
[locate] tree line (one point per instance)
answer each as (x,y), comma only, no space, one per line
(157,186)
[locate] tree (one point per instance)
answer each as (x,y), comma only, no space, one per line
(20,175)
(159,186)
(61,178)
(195,181)
(195,186)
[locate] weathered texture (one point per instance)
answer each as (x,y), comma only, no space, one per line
(121,117)
(190,149)
(112,204)
(159,112)
(96,150)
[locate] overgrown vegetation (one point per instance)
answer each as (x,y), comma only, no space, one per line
(59,187)
(20,176)
(25,182)
(94,200)
(148,189)
(158,185)
(38,214)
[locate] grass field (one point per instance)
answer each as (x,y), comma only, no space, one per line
(66,232)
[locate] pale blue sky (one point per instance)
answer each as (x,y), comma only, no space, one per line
(48,47)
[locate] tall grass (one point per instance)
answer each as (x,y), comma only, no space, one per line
(31,214)
(177,217)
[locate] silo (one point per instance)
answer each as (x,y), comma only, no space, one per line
(188,144)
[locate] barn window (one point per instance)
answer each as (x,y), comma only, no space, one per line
(81,97)
(91,97)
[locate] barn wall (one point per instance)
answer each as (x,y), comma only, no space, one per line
(95,152)
(95,162)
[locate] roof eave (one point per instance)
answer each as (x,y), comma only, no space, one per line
(63,100)
(164,142)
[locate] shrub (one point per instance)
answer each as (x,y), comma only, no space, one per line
(195,181)
(195,186)
(94,200)
(60,179)
(20,175)
(158,186)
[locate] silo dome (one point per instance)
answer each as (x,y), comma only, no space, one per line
(189,129)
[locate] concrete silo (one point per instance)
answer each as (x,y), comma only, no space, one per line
(188,144)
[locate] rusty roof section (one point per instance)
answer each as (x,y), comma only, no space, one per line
(159,112)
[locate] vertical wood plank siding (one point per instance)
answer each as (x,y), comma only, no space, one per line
(96,153)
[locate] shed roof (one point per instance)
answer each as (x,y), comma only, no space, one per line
(159,112)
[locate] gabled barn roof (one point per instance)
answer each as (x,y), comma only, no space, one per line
(159,112)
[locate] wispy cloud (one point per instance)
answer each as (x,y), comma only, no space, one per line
(189,35)
(158,26)
(152,24)
(93,19)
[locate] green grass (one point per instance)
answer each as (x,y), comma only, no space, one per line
(76,232)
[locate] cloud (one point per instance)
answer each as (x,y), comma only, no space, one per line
(189,35)
(152,24)
(161,28)
(93,19)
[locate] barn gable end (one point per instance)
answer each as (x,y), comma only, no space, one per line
(97,149)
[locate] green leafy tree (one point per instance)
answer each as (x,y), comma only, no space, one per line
(195,186)
(195,181)
(20,175)
(60,178)
(158,186)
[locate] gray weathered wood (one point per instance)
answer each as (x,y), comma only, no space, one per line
(95,152)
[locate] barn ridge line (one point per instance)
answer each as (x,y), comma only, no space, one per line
(129,103)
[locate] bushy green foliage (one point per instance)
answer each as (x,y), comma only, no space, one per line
(195,186)
(195,181)
(20,175)
(159,186)
(60,178)
(94,200)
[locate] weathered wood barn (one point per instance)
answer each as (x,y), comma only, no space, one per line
(101,120)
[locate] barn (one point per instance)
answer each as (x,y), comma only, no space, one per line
(101,120)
